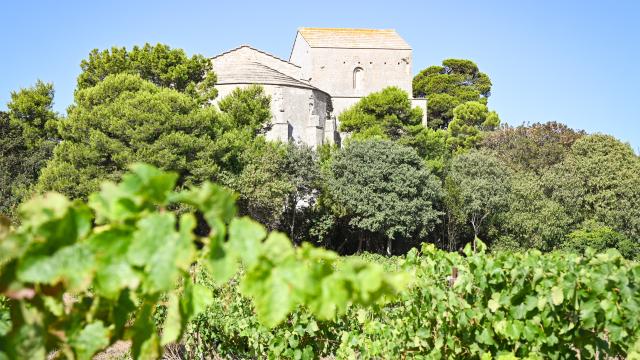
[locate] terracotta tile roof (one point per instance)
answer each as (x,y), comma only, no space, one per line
(353,38)
(251,72)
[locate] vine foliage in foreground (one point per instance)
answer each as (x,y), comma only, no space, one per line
(79,276)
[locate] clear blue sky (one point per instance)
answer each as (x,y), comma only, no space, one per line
(576,62)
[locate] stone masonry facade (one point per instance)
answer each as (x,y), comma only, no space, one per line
(328,71)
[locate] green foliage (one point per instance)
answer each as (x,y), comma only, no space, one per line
(531,219)
(159,64)
(524,305)
(278,185)
(600,238)
(599,180)
(125,119)
(31,109)
(431,145)
(263,185)
(470,121)
(27,137)
(246,108)
(80,276)
(383,190)
(12,155)
(246,113)
(455,82)
(476,189)
(533,148)
(302,168)
(386,114)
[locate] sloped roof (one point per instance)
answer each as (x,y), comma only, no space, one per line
(353,38)
(254,49)
(251,72)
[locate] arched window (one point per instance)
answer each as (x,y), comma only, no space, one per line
(358,74)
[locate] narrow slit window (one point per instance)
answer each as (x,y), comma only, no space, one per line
(358,74)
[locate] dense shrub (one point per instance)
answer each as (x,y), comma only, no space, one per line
(384,192)
(529,305)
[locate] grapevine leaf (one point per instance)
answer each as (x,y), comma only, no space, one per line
(214,201)
(182,309)
(113,203)
(55,219)
(162,251)
(115,276)
(172,326)
(633,353)
(150,182)
(272,284)
(245,237)
(493,305)
(485,337)
(557,297)
(26,340)
(145,342)
(588,312)
(41,209)
(113,272)
(153,232)
(73,265)
(222,263)
(92,338)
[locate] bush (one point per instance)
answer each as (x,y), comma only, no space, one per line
(384,192)
(462,306)
(600,238)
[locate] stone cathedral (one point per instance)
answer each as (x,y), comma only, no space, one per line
(328,71)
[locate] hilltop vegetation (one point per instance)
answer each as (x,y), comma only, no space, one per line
(528,234)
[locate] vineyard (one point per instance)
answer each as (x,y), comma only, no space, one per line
(142,262)
(458,306)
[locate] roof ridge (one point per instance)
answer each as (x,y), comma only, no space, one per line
(353,38)
(345,29)
(255,49)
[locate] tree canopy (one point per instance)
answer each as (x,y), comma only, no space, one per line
(532,148)
(453,83)
(599,180)
(476,190)
(530,186)
(386,114)
(470,122)
(531,219)
(125,119)
(27,137)
(383,190)
(158,64)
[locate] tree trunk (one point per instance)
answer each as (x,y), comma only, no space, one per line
(293,216)
(451,232)
(360,241)
(475,238)
(476,227)
(389,243)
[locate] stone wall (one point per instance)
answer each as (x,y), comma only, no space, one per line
(332,70)
(298,114)
(301,56)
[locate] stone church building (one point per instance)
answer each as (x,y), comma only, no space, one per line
(328,71)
